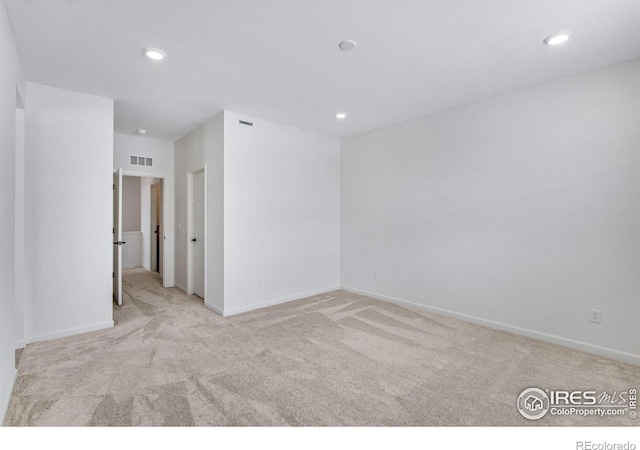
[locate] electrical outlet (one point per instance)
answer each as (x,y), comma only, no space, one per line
(595,316)
(376,276)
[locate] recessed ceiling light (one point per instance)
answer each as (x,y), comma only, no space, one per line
(341,116)
(154,53)
(141,131)
(557,38)
(347,45)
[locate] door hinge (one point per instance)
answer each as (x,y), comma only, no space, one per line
(114,186)
(113,274)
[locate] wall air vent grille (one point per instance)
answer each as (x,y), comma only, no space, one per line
(140,161)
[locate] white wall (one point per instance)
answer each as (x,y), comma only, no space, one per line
(145,219)
(11,79)
(162,154)
(273,211)
(281,213)
(132,250)
(202,147)
(68,212)
(521,211)
(19,266)
(131,198)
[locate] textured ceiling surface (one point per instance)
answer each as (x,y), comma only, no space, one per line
(279,59)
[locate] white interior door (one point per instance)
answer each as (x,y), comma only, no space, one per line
(198,234)
(117,237)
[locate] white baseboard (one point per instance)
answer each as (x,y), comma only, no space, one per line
(213,308)
(71,331)
(130,266)
(6,398)
(180,288)
(22,343)
(254,306)
(618,355)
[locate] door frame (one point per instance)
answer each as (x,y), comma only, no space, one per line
(167,281)
(191,229)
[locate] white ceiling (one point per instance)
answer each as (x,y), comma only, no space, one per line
(279,59)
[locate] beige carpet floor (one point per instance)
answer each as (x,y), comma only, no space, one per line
(333,359)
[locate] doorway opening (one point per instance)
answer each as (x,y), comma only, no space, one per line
(156,228)
(139,226)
